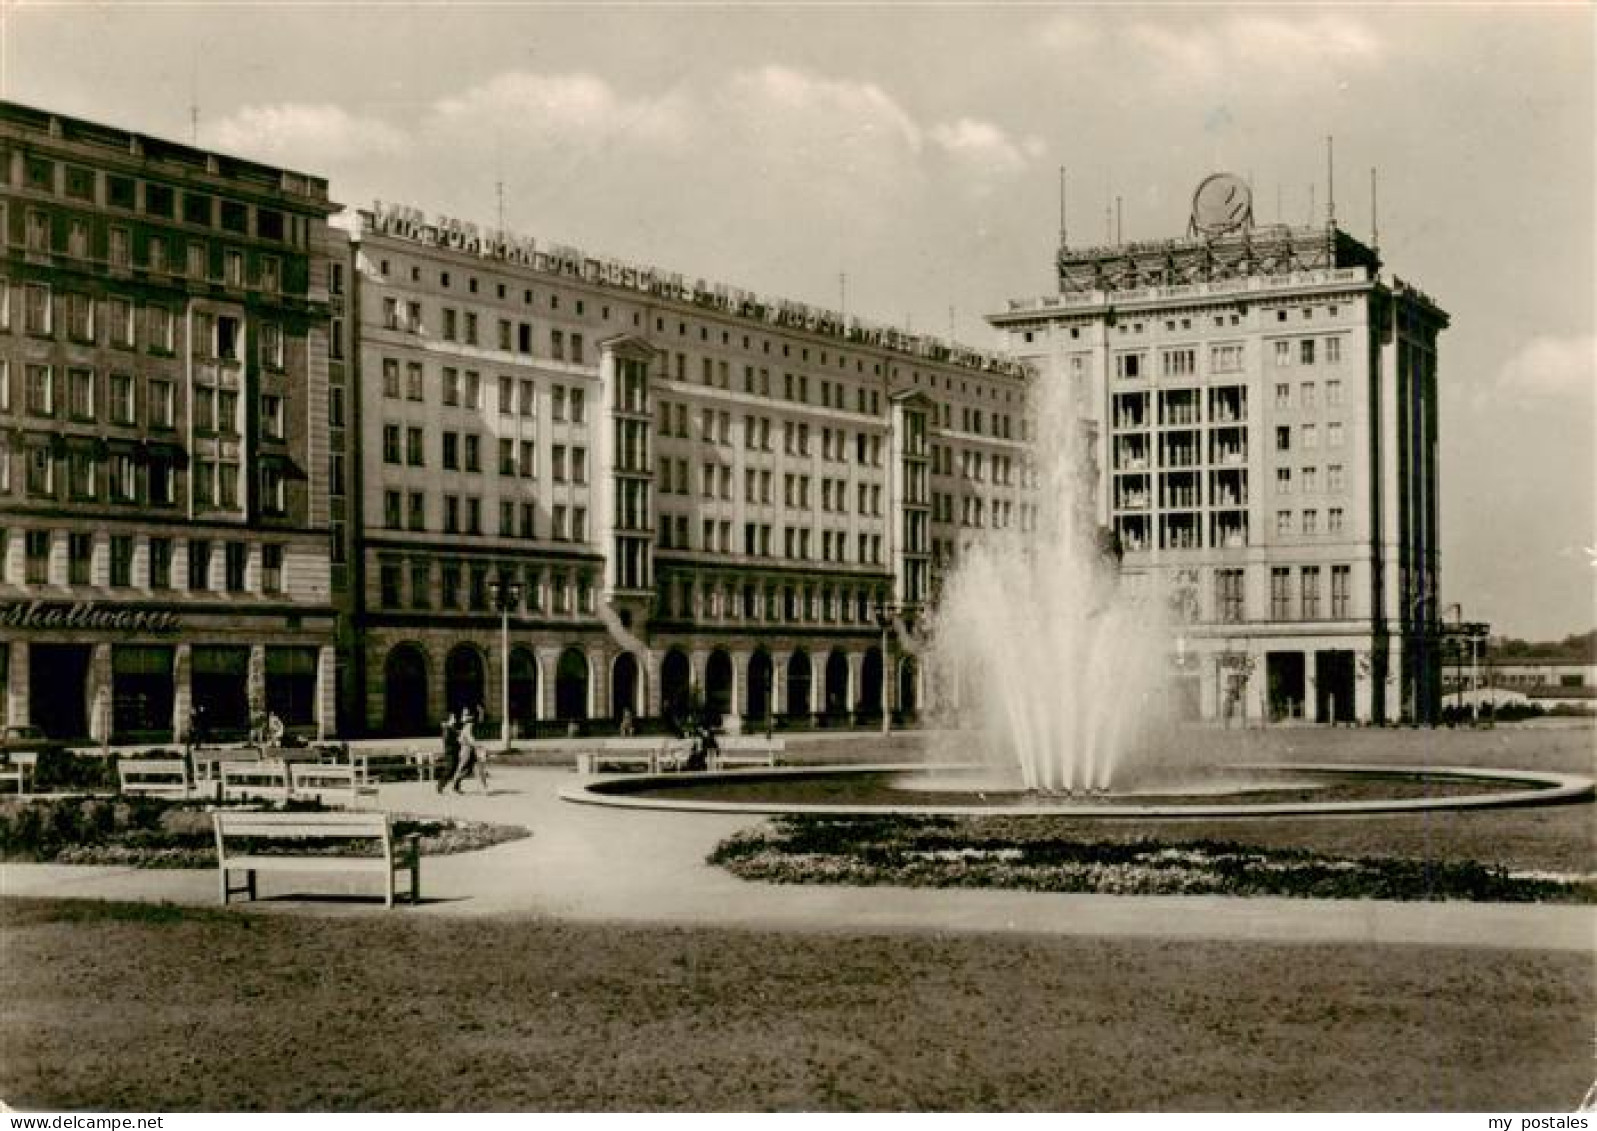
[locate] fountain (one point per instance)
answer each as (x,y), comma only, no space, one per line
(1051,666)
(1036,639)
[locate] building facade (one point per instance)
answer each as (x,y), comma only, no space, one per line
(1264,410)
(690,495)
(164,380)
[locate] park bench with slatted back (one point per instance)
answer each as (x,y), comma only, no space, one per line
(18,769)
(397,765)
(241,781)
(748,750)
(330,784)
(166,776)
(273,839)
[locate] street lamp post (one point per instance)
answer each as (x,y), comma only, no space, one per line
(505,595)
(885,612)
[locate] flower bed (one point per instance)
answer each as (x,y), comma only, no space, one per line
(148,832)
(979,852)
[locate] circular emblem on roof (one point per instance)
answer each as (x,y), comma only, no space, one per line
(1223,203)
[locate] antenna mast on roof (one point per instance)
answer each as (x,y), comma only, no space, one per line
(1063,233)
(1118,232)
(194,98)
(1375,215)
(1330,180)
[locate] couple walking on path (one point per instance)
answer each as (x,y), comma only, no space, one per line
(462,754)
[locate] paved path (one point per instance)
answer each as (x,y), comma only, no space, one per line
(610,865)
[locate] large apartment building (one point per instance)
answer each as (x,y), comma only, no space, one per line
(1264,402)
(163,435)
(690,493)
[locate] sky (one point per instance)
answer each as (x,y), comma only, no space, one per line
(900,162)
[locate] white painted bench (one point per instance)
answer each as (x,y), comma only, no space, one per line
(155,775)
(275,835)
(748,750)
(660,755)
(402,765)
(329,784)
(18,769)
(652,754)
(266,781)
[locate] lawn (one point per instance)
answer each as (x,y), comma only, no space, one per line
(1559,839)
(108,1006)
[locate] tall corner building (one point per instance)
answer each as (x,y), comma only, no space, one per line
(164,400)
(1265,410)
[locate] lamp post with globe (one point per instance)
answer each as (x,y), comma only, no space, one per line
(505,595)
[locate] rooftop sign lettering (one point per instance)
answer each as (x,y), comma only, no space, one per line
(406,222)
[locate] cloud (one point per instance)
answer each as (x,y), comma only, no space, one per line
(985,147)
(1550,367)
(308,134)
(1250,46)
(519,107)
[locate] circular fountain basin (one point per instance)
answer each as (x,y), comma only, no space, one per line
(1261,790)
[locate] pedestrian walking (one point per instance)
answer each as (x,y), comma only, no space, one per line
(472,756)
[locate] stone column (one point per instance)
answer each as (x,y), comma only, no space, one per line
(99,693)
(779,683)
(182,691)
(548,666)
(17,685)
(856,661)
(649,671)
(733,722)
(326,692)
(1210,685)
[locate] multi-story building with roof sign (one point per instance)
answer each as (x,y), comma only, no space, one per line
(1265,410)
(163,435)
(700,493)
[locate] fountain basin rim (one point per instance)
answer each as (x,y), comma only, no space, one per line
(1542,788)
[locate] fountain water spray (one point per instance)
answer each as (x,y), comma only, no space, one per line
(1059,660)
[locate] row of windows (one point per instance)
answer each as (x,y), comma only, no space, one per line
(90,474)
(87,319)
(1309,522)
(194,257)
(1230,604)
(464,586)
(407,510)
(78,182)
(1309,436)
(793,604)
(464,388)
(124,561)
(1308,395)
(1182,361)
(1308,480)
(77,393)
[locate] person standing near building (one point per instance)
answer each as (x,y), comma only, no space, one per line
(451,751)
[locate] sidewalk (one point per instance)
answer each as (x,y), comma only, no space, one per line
(596,864)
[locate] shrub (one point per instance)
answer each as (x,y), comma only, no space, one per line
(62,770)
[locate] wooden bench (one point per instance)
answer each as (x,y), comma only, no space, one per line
(19,769)
(306,831)
(329,784)
(155,775)
(399,765)
(651,754)
(748,750)
(267,781)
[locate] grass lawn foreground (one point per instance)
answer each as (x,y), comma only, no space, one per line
(114,1006)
